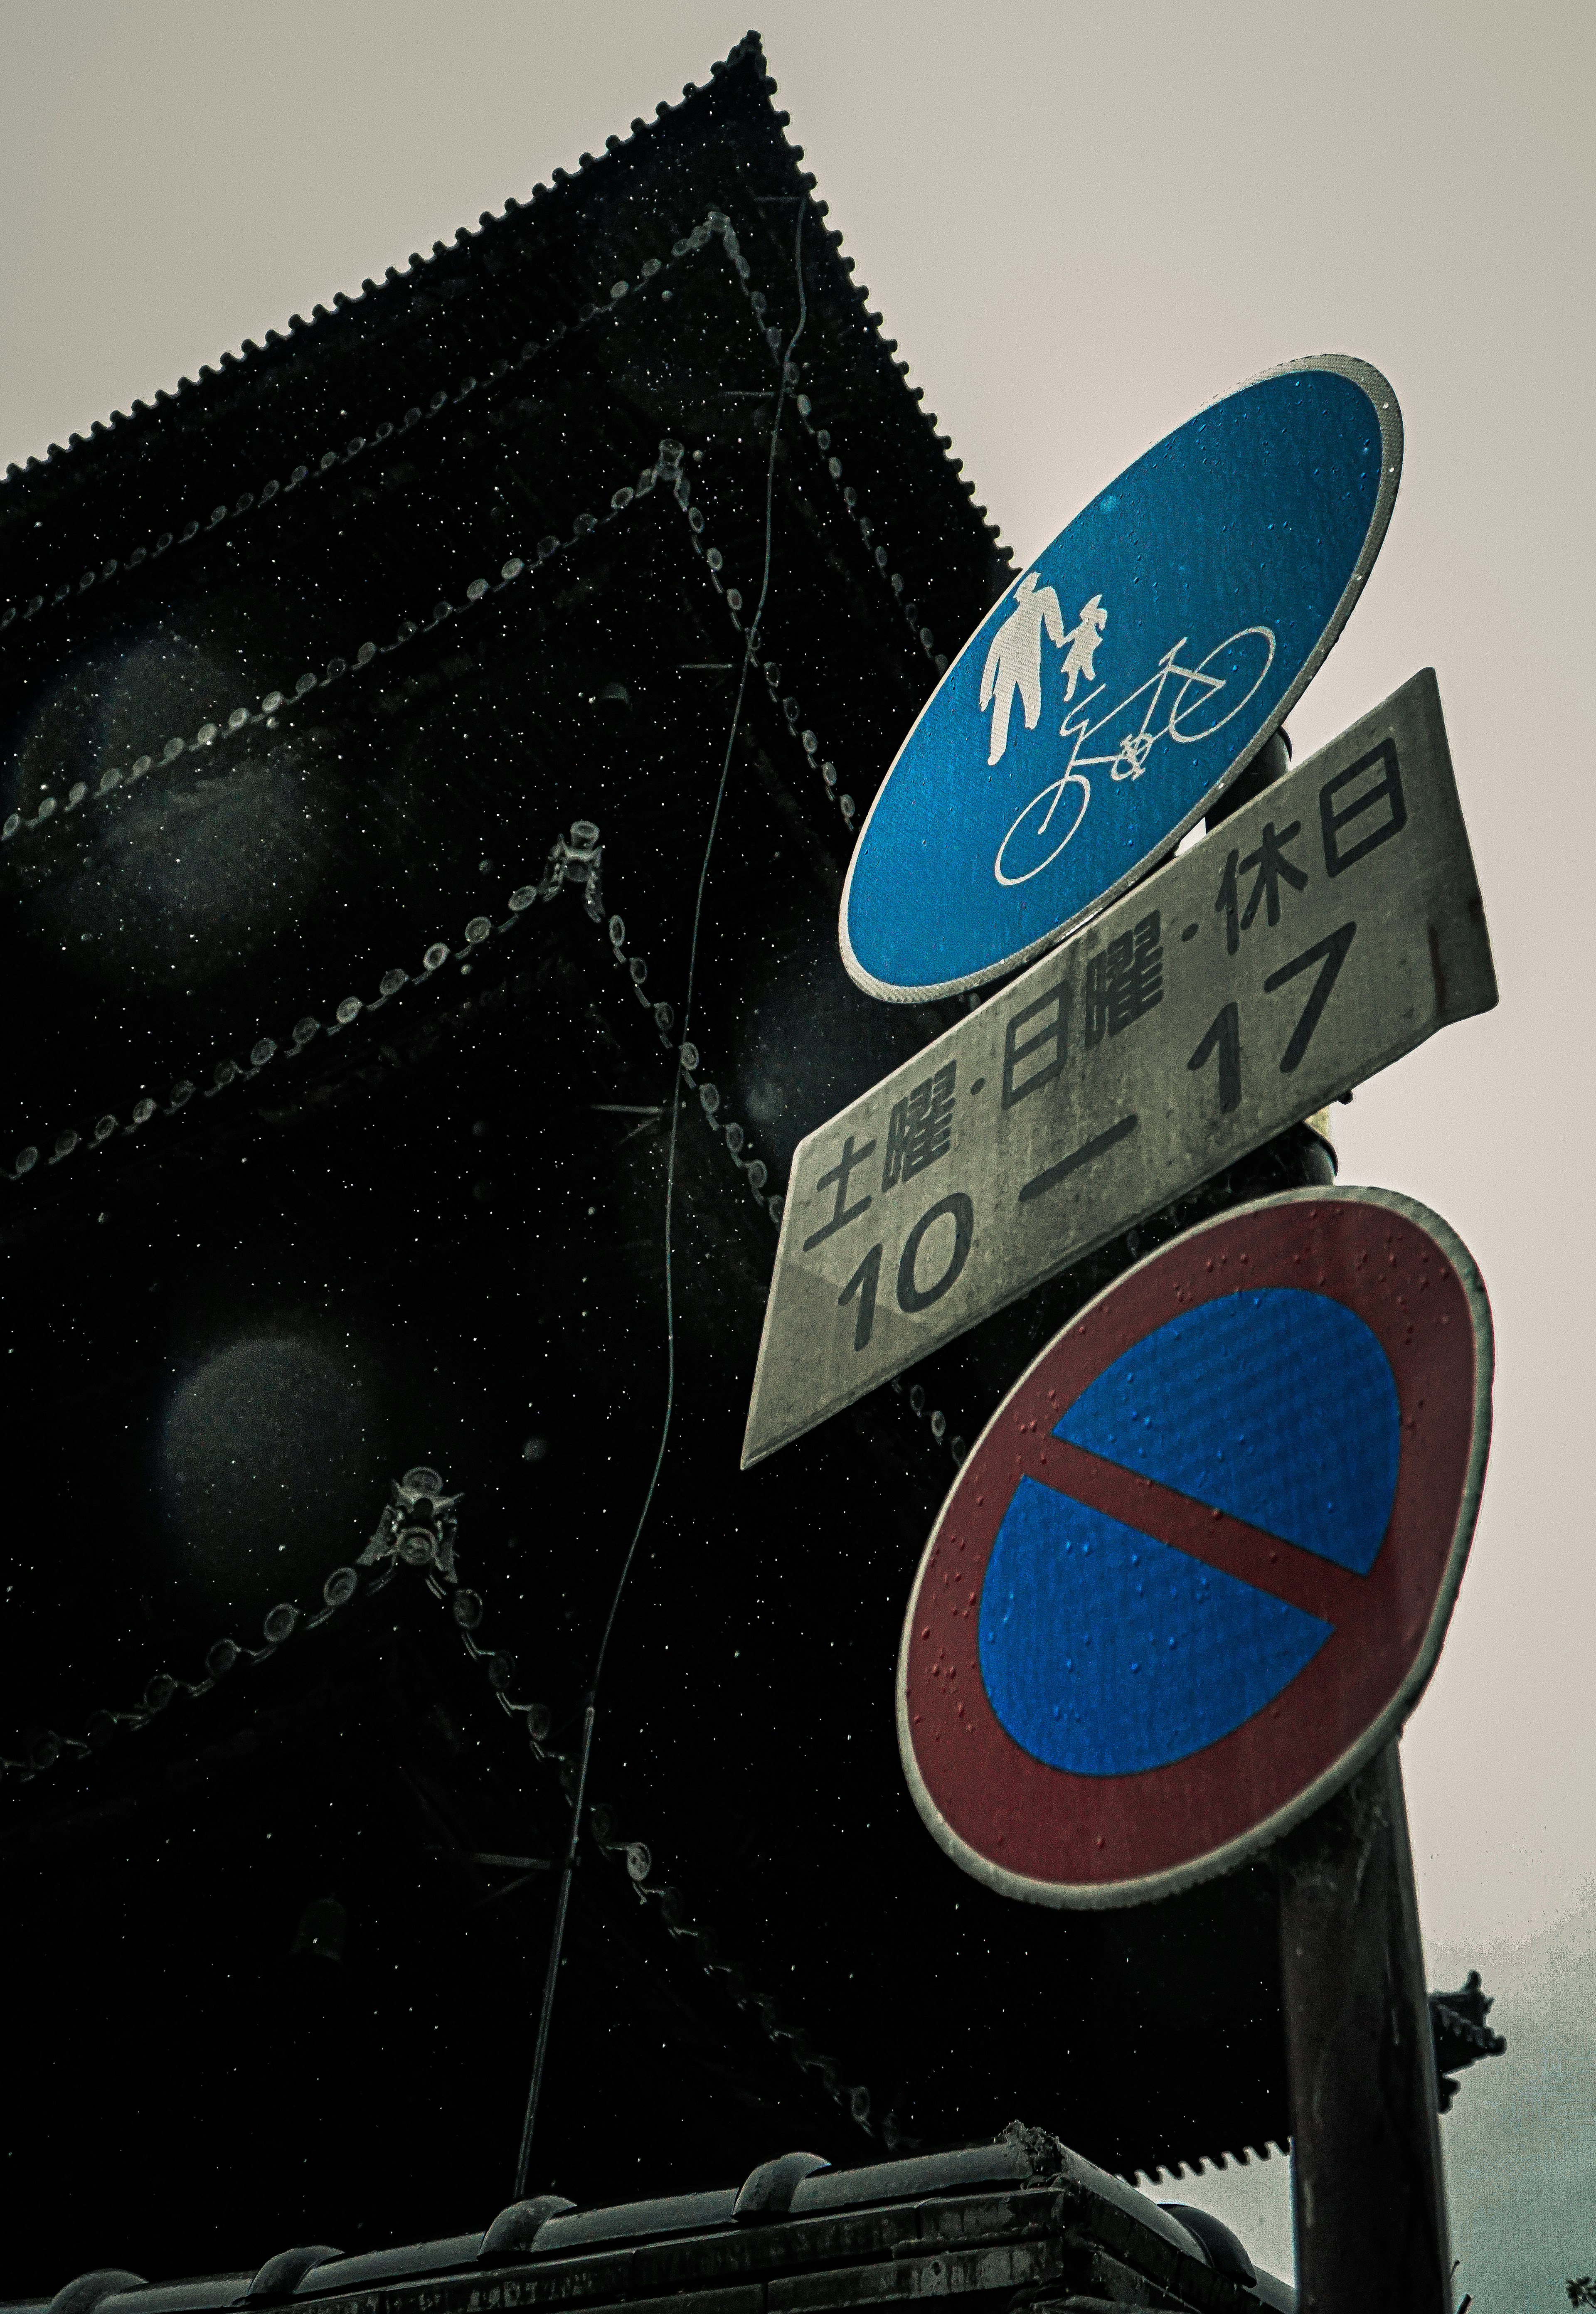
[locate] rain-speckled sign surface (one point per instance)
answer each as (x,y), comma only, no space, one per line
(1123,679)
(1200,1564)
(1321,932)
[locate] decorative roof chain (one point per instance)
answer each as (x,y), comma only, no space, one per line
(854,2097)
(578,860)
(634,1855)
(419,265)
(571,860)
(866,526)
(49,1749)
(275,701)
(325,463)
(417,1528)
(792,713)
(716,560)
(735,1140)
(730,1135)
(913,1398)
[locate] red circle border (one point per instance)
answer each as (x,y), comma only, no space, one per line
(1060,1838)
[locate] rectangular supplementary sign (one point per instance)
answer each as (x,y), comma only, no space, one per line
(1326,928)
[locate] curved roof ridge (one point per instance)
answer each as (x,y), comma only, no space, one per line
(749,50)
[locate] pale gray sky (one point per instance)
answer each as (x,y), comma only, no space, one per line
(1081,223)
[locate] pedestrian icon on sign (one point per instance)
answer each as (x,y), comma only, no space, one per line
(1014,662)
(1083,639)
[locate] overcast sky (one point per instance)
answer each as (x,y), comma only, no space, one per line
(1081,223)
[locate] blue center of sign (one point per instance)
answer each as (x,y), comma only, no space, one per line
(1114,686)
(1278,1407)
(1106,1652)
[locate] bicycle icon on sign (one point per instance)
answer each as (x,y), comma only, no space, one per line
(1235,668)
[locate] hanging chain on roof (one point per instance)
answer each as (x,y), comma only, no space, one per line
(635,1858)
(417,1529)
(49,1748)
(576,859)
(735,1141)
(570,860)
(668,469)
(319,466)
(277,702)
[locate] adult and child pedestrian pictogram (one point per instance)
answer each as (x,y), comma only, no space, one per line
(1123,680)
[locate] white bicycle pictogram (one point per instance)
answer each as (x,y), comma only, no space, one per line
(1184,721)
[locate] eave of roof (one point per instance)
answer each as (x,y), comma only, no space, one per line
(592,2251)
(59,498)
(377,298)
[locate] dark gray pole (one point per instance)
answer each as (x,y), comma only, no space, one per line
(1369,2203)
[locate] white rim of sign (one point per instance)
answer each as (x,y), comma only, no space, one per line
(1110,1895)
(1383,397)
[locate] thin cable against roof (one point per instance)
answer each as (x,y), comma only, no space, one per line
(750,643)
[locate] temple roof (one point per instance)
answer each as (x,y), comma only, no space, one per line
(431,747)
(433,334)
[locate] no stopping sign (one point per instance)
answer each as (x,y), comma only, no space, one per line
(1200,1564)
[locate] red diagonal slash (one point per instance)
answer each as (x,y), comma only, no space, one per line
(1268,1563)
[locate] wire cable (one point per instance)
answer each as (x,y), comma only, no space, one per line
(590,1699)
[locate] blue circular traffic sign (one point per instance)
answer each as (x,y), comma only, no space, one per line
(1200,1564)
(1123,679)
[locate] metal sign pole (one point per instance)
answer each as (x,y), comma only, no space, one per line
(1369,2203)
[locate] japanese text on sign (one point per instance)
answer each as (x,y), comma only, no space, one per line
(1327,928)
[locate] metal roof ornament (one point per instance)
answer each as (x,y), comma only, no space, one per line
(418,1526)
